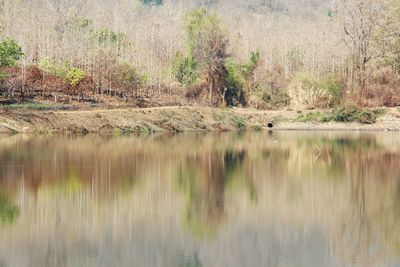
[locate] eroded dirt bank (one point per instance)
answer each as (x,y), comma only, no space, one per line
(173,119)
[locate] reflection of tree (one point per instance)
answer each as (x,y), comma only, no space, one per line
(8,210)
(55,258)
(364,165)
(358,206)
(334,154)
(66,163)
(393,236)
(204,178)
(365,220)
(191,261)
(355,238)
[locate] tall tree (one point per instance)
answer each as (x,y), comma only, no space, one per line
(361,20)
(208,46)
(389,36)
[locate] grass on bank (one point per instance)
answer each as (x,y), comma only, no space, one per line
(343,114)
(32,106)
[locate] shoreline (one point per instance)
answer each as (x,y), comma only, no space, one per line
(176,119)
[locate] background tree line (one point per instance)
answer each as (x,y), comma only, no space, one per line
(264,54)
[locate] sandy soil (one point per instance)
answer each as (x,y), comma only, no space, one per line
(175,119)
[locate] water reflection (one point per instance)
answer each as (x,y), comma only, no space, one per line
(255,199)
(8,210)
(203,179)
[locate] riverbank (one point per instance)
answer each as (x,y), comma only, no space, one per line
(174,119)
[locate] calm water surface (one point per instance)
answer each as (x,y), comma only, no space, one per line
(211,200)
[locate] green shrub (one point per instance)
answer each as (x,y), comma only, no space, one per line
(239,78)
(199,24)
(380,112)
(267,98)
(75,76)
(46,65)
(366,117)
(240,123)
(184,70)
(234,83)
(49,66)
(34,106)
(334,88)
(342,114)
(312,117)
(249,68)
(72,75)
(127,76)
(352,113)
(257,127)
(207,44)
(10,53)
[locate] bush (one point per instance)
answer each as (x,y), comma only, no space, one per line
(128,78)
(305,92)
(266,98)
(240,79)
(233,94)
(317,116)
(240,122)
(184,70)
(208,45)
(249,68)
(334,88)
(49,66)
(343,114)
(74,76)
(10,53)
(352,113)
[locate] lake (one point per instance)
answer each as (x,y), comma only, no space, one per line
(195,199)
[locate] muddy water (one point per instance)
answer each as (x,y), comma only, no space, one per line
(233,199)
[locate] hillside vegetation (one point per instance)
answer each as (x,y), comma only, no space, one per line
(264,54)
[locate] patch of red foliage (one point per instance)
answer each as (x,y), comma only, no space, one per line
(31,82)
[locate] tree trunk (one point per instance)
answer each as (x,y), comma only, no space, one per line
(211,88)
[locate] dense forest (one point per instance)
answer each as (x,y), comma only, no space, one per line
(264,54)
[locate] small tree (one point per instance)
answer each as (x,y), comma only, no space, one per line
(208,47)
(128,79)
(184,70)
(240,79)
(10,53)
(75,76)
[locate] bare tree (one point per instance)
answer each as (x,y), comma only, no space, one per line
(66,11)
(361,20)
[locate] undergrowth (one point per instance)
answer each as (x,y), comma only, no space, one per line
(343,114)
(32,106)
